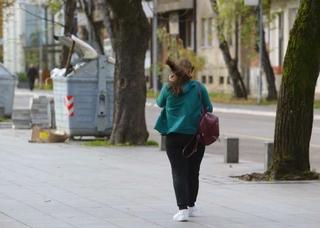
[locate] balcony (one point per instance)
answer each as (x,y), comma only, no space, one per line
(173,5)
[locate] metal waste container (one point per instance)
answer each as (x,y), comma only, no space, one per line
(7,86)
(84,96)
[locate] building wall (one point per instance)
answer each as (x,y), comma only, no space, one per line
(1,32)
(12,34)
(172,5)
(288,10)
(22,31)
(215,74)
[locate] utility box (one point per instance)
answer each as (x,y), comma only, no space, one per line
(84,96)
(7,86)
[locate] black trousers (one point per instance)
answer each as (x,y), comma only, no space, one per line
(185,171)
(31,83)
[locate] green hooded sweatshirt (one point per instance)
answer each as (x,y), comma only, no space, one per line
(181,114)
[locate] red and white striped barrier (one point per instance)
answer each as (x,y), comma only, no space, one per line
(69,100)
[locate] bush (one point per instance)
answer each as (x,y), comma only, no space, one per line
(22,77)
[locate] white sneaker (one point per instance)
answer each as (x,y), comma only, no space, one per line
(181,216)
(193,211)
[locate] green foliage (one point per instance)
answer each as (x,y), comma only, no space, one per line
(97,143)
(152,143)
(22,77)
(47,87)
(177,51)
(3,119)
(32,57)
(55,5)
(247,17)
(317,104)
(150,94)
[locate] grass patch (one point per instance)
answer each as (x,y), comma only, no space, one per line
(46,87)
(152,143)
(96,143)
(229,99)
(106,143)
(151,94)
(3,119)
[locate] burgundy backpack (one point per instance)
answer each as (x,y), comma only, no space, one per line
(208,131)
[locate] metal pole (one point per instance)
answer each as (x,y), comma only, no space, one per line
(260,49)
(40,44)
(195,26)
(154,47)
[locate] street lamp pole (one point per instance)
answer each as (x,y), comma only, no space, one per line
(40,44)
(154,47)
(258,3)
(260,50)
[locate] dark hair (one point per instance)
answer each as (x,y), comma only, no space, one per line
(183,70)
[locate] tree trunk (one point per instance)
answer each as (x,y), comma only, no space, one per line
(131,32)
(232,66)
(267,68)
(94,30)
(295,106)
(107,21)
(70,8)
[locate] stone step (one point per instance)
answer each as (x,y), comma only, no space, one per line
(21,119)
(42,111)
(5,125)
(21,114)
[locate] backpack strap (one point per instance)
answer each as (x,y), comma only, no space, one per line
(203,108)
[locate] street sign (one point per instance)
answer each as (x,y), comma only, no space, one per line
(251,2)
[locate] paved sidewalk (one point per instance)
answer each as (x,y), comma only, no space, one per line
(68,185)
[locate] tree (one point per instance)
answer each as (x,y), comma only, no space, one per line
(232,63)
(131,32)
(87,8)
(266,63)
(270,78)
(235,14)
(176,50)
(294,118)
(69,9)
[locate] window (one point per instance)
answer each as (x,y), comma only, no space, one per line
(210,79)
(203,32)
(189,33)
(280,37)
(209,35)
(206,32)
(34,26)
(228,80)
(204,79)
(221,80)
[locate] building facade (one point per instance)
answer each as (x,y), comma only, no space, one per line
(179,17)
(28,28)
(215,75)
(285,12)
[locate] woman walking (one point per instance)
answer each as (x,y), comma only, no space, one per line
(182,100)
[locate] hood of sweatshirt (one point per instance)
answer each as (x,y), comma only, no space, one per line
(188,86)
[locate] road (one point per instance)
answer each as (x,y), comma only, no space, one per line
(253,125)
